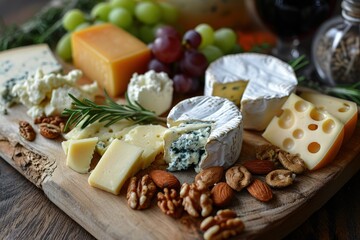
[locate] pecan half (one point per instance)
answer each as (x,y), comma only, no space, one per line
(170,202)
(210,176)
(280,178)
(238,177)
(140,192)
(224,225)
(49,130)
(27,131)
(196,199)
(292,162)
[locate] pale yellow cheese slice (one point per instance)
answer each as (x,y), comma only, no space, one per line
(79,153)
(344,110)
(303,129)
(120,162)
(148,137)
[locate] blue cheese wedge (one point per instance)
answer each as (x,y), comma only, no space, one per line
(17,64)
(204,131)
(258,83)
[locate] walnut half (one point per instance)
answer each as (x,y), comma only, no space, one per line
(196,199)
(140,192)
(238,177)
(224,225)
(170,202)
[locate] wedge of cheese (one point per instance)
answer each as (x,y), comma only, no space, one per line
(109,55)
(204,131)
(259,83)
(120,162)
(79,153)
(344,110)
(303,129)
(148,137)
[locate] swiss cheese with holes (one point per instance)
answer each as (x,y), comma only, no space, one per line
(303,129)
(344,110)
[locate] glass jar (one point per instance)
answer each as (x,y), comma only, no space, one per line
(336,47)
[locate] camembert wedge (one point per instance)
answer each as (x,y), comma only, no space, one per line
(259,83)
(204,131)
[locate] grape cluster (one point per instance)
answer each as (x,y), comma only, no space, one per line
(185,58)
(140,18)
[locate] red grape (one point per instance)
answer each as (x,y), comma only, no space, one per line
(182,83)
(193,63)
(166,31)
(192,38)
(167,49)
(158,66)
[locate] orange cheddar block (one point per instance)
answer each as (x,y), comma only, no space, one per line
(110,56)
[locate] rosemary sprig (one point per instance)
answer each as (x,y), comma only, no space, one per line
(88,112)
(350,92)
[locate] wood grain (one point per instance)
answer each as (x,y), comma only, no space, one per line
(106,216)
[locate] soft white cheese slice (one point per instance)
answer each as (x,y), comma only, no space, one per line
(223,145)
(260,83)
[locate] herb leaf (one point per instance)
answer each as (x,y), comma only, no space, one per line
(87,112)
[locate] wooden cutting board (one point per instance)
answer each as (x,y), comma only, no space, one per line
(107,216)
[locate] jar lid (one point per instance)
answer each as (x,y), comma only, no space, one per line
(351,10)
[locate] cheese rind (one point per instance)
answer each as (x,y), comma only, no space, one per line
(268,80)
(344,110)
(79,153)
(223,146)
(303,129)
(120,162)
(109,55)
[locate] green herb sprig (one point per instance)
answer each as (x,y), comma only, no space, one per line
(87,112)
(345,91)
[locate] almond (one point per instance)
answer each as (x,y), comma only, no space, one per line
(261,167)
(210,176)
(260,190)
(164,179)
(222,194)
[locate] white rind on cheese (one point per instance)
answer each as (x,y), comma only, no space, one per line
(224,143)
(269,82)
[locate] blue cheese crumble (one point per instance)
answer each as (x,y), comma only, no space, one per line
(47,94)
(185,145)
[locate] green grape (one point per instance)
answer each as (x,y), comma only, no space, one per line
(148,12)
(101,11)
(146,33)
(63,47)
(170,13)
(207,34)
(127,4)
(121,17)
(72,19)
(225,39)
(211,53)
(82,26)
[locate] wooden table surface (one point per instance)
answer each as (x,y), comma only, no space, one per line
(26,213)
